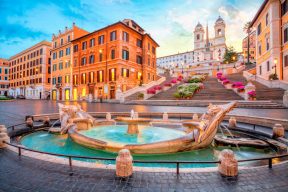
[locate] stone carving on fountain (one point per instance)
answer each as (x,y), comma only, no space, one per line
(199,134)
(73,115)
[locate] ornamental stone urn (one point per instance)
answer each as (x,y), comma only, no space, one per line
(278,131)
(195,117)
(228,165)
(124,164)
(249,87)
(46,121)
(3,136)
(165,116)
(108,116)
(285,99)
(29,122)
(232,122)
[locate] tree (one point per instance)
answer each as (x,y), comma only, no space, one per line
(247,30)
(230,55)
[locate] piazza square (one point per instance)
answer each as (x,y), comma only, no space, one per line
(144,96)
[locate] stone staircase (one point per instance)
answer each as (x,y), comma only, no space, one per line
(166,95)
(262,92)
(213,90)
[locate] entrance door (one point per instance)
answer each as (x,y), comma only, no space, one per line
(67,94)
(112,92)
(60,94)
(40,95)
(54,95)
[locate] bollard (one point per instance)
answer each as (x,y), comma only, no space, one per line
(228,166)
(232,122)
(165,116)
(124,164)
(278,131)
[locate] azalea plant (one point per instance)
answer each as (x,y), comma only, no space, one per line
(252,94)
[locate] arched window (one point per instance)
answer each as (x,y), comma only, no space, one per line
(198,37)
(219,32)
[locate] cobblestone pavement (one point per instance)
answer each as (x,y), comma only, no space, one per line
(27,174)
(15,111)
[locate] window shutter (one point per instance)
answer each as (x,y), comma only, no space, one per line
(127,72)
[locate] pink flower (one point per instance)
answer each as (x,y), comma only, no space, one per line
(174,81)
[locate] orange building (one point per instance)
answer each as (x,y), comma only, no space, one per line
(30,72)
(4,76)
(252,47)
(120,55)
(61,68)
(270,23)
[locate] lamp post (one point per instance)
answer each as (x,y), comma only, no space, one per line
(275,65)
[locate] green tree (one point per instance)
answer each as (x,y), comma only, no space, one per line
(230,55)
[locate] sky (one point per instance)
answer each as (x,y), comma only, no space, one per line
(171,23)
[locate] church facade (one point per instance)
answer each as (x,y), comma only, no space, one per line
(206,50)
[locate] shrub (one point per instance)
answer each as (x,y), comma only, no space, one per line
(225,82)
(173,81)
(252,94)
(223,78)
(167,84)
(157,87)
(151,91)
(237,84)
(240,88)
(140,96)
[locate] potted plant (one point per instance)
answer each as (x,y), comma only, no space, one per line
(252,95)
(140,96)
(273,77)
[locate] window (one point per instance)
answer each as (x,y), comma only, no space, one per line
(101,40)
(68,51)
(267,19)
(285,35)
(113,36)
(113,54)
(83,78)
(219,32)
(198,37)
(6,71)
(139,43)
(55,44)
(91,77)
(84,45)
(125,36)
(41,52)
(148,61)
(138,59)
(75,48)
(149,46)
(125,72)
(67,64)
(139,76)
(54,67)
(67,79)
(61,41)
(75,79)
(91,59)
(268,66)
(286,61)
(83,61)
(54,56)
(148,76)
(68,38)
(267,43)
(260,69)
(60,79)
(153,50)
(125,54)
(259,49)
(284,7)
(60,53)
(53,80)
(60,66)
(112,74)
(100,57)
(259,29)
(100,77)
(92,42)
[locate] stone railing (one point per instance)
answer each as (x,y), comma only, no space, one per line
(272,83)
(140,88)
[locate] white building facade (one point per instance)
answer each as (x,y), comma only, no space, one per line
(206,50)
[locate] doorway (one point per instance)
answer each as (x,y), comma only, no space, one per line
(67,94)
(54,95)
(112,92)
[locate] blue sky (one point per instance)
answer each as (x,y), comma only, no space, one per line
(23,23)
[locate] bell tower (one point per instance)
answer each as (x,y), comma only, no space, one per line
(199,37)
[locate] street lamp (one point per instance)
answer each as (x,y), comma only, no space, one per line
(275,65)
